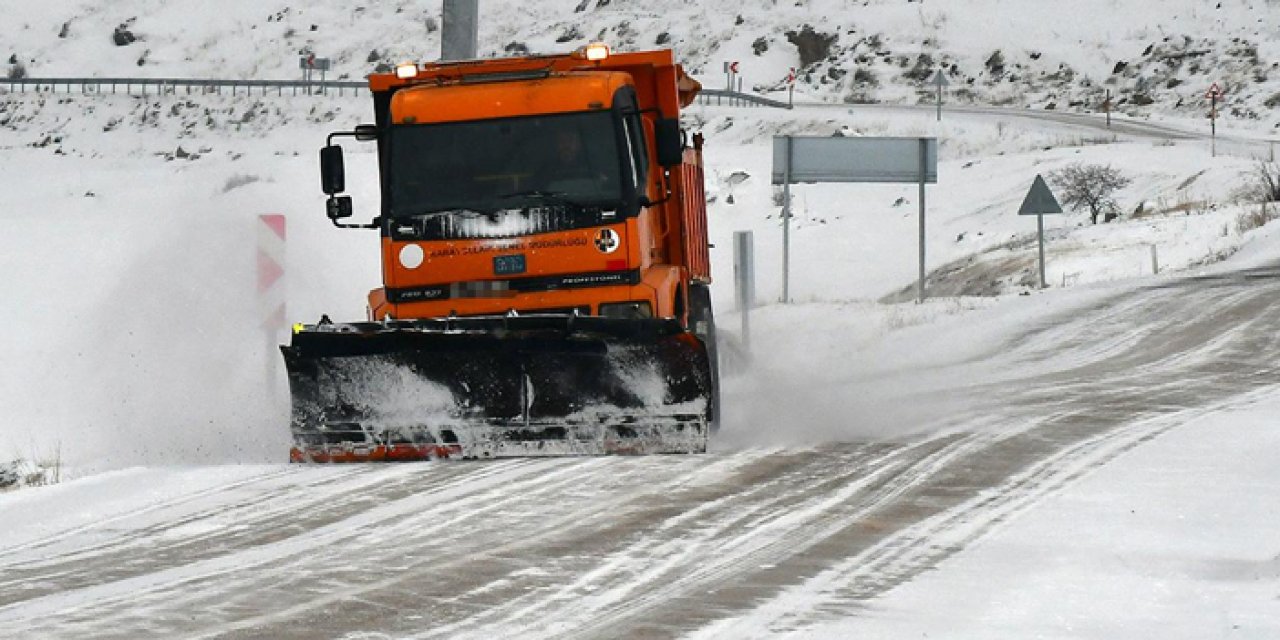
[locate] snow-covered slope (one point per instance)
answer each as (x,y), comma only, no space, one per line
(1044,53)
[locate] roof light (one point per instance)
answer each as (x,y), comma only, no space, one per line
(406,70)
(596,51)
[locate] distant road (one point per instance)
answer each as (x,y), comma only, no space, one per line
(1259,147)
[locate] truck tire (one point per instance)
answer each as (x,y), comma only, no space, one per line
(703,322)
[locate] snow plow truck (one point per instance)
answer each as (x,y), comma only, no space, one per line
(545,269)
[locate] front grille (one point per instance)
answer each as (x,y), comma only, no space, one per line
(508,224)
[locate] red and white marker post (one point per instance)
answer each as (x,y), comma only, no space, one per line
(271,282)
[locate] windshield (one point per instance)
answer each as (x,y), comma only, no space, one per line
(567,163)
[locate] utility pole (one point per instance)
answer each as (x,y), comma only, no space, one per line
(460,30)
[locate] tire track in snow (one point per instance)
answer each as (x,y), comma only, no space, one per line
(166,579)
(232,521)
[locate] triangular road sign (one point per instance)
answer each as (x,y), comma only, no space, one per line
(1039,200)
(939,79)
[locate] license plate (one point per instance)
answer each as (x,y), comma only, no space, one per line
(509,265)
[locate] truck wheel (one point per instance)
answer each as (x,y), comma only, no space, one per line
(703,322)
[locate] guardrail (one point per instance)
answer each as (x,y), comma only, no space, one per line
(737,99)
(189,86)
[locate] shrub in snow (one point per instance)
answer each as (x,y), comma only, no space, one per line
(1091,187)
(1263,189)
(812,45)
(22,473)
(923,70)
(1269,181)
(122,36)
(9,474)
(1254,218)
(570,34)
(995,64)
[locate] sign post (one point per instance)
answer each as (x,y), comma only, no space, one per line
(940,80)
(460,28)
(1039,202)
(839,159)
(1106,106)
(1214,94)
(791,88)
(310,63)
(744,279)
(924,169)
(786,222)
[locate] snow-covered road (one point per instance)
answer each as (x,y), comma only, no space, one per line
(637,547)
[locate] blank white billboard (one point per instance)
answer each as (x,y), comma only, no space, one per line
(843,159)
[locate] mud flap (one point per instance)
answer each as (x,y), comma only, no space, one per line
(497,386)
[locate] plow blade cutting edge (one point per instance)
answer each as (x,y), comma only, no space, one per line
(496,387)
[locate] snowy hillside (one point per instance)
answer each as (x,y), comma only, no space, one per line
(1154,58)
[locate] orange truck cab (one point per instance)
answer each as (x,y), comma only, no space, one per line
(536,184)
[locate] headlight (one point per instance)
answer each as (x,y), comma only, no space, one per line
(595,52)
(627,310)
(407,70)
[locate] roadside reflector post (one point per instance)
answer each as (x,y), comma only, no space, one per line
(271,284)
(744,276)
(1040,201)
(1155,261)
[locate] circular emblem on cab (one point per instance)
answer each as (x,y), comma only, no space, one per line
(607,241)
(411,256)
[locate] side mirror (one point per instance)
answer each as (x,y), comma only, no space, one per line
(338,208)
(366,132)
(333,177)
(670,147)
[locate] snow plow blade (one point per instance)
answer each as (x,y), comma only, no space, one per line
(496,387)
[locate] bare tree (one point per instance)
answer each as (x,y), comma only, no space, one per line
(1262,189)
(1092,187)
(1268,182)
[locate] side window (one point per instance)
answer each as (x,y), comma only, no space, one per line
(636,150)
